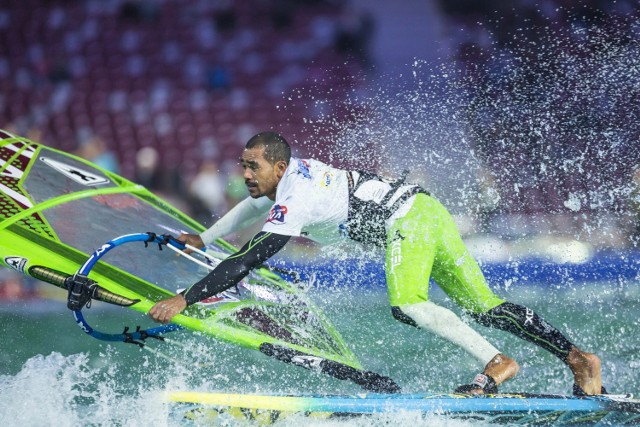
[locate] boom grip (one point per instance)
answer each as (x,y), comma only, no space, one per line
(49,275)
(101,294)
(88,286)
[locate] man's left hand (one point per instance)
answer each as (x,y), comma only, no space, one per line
(164,310)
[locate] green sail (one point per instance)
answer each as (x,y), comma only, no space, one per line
(56,209)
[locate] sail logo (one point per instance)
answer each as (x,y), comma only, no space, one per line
(81,176)
(277,214)
(308,362)
(16,262)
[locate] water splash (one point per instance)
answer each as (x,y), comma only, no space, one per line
(543,122)
(69,391)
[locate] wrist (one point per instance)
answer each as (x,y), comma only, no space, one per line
(183,296)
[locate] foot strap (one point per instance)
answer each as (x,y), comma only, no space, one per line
(483,382)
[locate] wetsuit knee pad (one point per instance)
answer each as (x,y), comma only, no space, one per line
(526,324)
(431,316)
(446,324)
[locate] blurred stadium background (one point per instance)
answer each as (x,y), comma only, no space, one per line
(542,165)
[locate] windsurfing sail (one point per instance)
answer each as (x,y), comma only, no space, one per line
(56,209)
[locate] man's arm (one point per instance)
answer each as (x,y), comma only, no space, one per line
(233,269)
(228,273)
(241,216)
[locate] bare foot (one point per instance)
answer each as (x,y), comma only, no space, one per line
(586,370)
(500,368)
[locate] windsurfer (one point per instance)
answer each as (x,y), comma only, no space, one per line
(309,198)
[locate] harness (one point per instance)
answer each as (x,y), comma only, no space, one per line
(366,218)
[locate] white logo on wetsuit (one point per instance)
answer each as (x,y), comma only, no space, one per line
(277,214)
(528,317)
(395,250)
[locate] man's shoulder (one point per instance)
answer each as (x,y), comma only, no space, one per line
(299,168)
(309,168)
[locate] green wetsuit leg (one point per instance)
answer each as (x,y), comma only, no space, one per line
(425,242)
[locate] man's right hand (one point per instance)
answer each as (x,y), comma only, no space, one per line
(191,239)
(163,311)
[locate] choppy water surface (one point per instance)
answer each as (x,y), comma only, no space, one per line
(53,374)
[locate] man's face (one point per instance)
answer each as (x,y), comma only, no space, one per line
(260,176)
